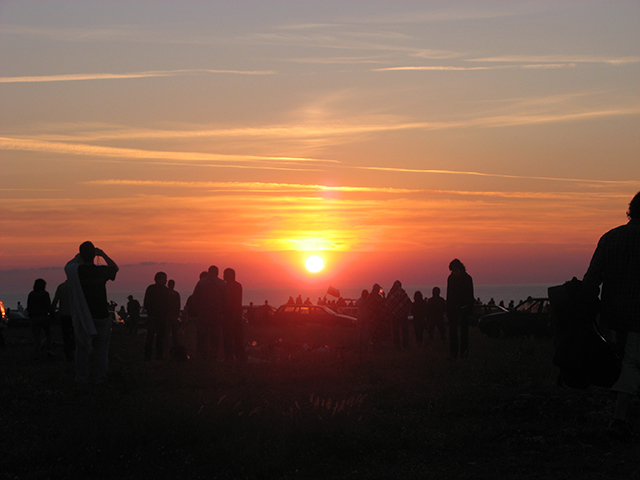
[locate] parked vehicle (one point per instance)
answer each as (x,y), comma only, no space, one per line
(309,314)
(531,317)
(258,314)
(17,319)
(350,311)
(481,309)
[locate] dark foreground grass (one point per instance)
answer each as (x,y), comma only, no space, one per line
(308,406)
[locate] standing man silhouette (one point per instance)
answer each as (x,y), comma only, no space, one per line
(90,310)
(616,266)
(174,312)
(232,334)
(156,303)
(460,302)
(211,300)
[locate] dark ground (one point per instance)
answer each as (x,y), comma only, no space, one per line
(308,406)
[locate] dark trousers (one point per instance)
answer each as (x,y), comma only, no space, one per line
(156,328)
(431,328)
(66,326)
(233,337)
(208,333)
(133,321)
(38,324)
(419,325)
(400,324)
(461,324)
(174,326)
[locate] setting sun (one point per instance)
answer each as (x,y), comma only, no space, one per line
(314,264)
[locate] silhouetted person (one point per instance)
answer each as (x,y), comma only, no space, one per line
(378,326)
(90,310)
(460,301)
(190,305)
(616,266)
(62,300)
(211,298)
(265,312)
(308,301)
(156,303)
(232,334)
(398,306)
(511,305)
(291,301)
(364,321)
(173,314)
(419,313)
(436,308)
(299,300)
(39,308)
(251,314)
(133,314)
(20,308)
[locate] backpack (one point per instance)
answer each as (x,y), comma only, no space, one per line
(582,354)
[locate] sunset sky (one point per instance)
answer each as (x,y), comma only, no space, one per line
(389,137)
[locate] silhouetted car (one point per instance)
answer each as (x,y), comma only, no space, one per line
(310,314)
(17,319)
(481,309)
(258,314)
(531,317)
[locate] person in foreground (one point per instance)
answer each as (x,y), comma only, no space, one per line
(460,302)
(616,266)
(90,310)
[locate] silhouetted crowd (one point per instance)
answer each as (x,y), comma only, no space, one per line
(215,307)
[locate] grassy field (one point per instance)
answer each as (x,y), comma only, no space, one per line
(307,406)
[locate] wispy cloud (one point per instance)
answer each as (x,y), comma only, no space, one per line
(497,175)
(290,188)
(439,16)
(251,186)
(335,60)
(519,112)
(436,54)
(120,76)
(548,59)
(7,143)
(450,68)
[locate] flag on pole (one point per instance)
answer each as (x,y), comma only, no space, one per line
(333,291)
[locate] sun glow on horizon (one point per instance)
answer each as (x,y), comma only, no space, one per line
(314,264)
